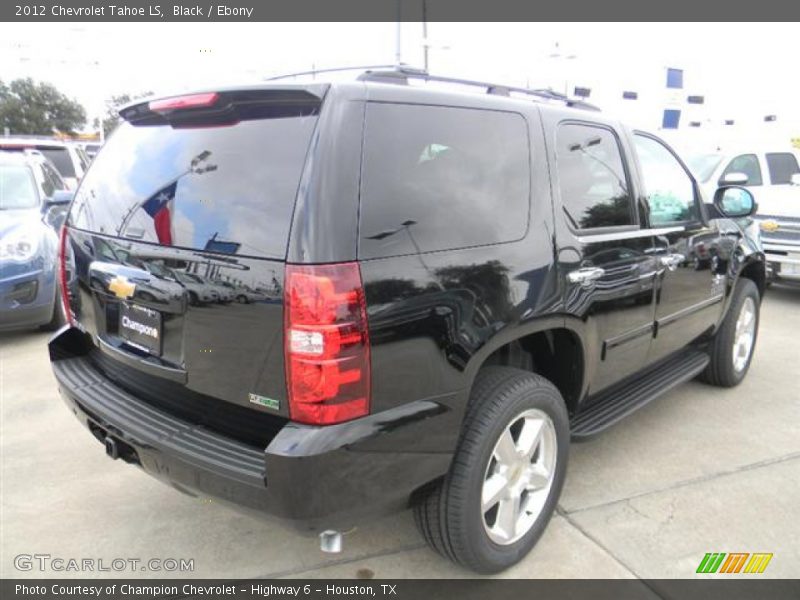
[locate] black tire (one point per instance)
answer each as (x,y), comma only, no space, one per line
(721,370)
(449,514)
(194,300)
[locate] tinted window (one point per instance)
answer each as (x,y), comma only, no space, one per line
(439,178)
(592,181)
(746,164)
(17,188)
(46,182)
(82,158)
(703,165)
(782,165)
(51,180)
(61,159)
(670,190)
(229,189)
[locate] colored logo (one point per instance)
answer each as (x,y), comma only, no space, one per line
(121,287)
(264,401)
(769,226)
(734,562)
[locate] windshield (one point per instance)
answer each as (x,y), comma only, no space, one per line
(158,270)
(703,165)
(17,188)
(184,277)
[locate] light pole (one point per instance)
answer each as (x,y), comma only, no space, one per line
(398,50)
(559,56)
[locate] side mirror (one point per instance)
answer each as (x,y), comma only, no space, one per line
(795,179)
(59,198)
(735,202)
(54,211)
(733,178)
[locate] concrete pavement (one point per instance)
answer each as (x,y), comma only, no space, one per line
(700,470)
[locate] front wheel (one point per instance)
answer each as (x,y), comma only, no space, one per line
(732,347)
(506,476)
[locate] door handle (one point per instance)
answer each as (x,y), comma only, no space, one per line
(585,275)
(672,261)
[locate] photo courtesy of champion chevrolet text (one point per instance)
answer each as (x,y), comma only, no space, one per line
(399,299)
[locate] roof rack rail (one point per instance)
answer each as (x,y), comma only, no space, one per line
(333,70)
(400,74)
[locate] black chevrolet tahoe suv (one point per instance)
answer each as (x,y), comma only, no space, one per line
(450,281)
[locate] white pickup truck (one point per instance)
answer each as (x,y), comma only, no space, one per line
(773,177)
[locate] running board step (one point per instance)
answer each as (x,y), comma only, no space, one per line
(613,405)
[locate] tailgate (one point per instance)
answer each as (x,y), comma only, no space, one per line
(179,234)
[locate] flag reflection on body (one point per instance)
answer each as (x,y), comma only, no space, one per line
(159,206)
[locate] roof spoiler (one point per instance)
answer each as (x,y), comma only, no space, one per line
(225,107)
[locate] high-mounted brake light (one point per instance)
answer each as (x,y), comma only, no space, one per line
(62,275)
(327,343)
(181,102)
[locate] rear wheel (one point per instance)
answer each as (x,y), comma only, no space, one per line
(732,347)
(506,477)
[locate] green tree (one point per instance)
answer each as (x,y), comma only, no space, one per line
(31,108)
(113,104)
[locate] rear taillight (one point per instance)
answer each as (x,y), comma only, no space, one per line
(327,343)
(62,275)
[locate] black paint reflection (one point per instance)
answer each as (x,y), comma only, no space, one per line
(216,319)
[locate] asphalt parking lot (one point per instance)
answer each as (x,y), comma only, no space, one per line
(700,470)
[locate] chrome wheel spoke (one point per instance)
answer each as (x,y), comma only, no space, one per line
(508,515)
(506,449)
(744,334)
(529,436)
(538,477)
(494,489)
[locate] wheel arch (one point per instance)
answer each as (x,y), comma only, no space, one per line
(552,347)
(755,269)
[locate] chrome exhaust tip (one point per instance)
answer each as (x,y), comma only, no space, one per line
(330,541)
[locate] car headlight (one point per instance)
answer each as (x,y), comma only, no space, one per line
(19,246)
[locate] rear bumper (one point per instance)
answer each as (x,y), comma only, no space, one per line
(311,478)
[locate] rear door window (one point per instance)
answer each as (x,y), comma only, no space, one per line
(61,159)
(439,178)
(51,180)
(592,180)
(227,189)
(746,164)
(781,165)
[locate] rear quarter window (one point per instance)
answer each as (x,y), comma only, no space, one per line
(782,165)
(442,178)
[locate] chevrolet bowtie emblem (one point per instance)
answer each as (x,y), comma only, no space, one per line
(121,287)
(769,226)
